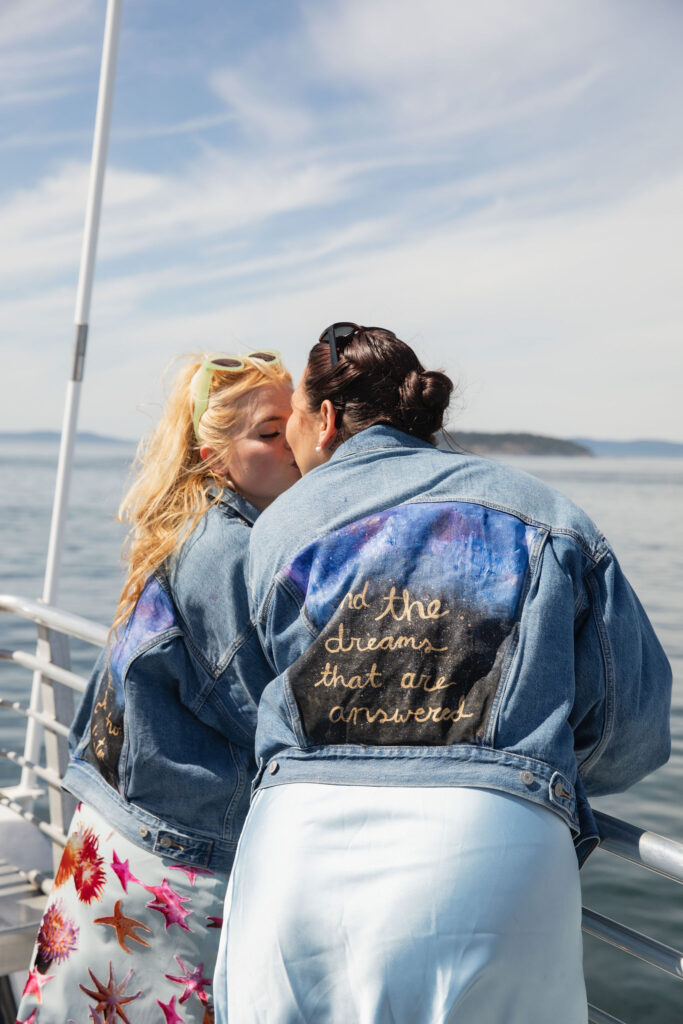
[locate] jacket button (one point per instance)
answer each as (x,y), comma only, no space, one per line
(143,831)
(273,767)
(165,841)
(527,777)
(559,790)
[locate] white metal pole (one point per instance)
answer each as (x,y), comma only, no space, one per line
(83,296)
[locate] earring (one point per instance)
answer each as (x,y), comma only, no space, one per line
(318,448)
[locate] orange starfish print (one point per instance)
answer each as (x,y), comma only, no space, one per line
(125,927)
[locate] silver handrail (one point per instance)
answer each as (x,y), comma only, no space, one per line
(52,666)
(55,834)
(666,958)
(654,853)
(48,723)
(46,774)
(596,1016)
(665,856)
(46,668)
(63,622)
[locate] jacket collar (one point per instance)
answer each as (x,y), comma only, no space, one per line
(236,503)
(380,435)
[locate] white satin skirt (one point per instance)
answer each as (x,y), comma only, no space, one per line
(401,905)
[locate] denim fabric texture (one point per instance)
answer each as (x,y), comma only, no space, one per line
(437,619)
(163,742)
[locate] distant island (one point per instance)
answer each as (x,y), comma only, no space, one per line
(538,444)
(470,441)
(514,444)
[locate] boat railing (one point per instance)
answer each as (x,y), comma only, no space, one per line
(43,761)
(35,813)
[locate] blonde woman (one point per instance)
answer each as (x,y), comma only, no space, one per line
(162,745)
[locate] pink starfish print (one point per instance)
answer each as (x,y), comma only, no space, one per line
(191,872)
(123,872)
(169,903)
(170,1013)
(192,980)
(31,1019)
(214,922)
(35,983)
(110,997)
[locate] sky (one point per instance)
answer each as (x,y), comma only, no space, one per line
(500,184)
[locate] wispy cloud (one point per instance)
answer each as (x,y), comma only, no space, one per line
(261,113)
(23,21)
(500,183)
(469,63)
(42,52)
(48,140)
(528,314)
(144,211)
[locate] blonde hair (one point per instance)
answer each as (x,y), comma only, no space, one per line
(172,488)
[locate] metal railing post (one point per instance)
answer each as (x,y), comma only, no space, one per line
(58,702)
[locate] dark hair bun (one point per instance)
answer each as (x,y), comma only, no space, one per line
(378,379)
(423,398)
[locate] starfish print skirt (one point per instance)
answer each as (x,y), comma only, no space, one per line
(126,936)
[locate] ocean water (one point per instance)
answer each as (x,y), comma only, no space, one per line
(638,503)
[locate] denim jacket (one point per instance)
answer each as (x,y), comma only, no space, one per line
(440,619)
(162,744)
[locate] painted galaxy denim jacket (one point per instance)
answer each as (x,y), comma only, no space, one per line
(163,742)
(441,619)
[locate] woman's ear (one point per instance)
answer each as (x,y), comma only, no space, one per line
(220,469)
(328,429)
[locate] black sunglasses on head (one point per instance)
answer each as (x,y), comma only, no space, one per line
(336,333)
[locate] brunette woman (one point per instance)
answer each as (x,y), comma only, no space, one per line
(162,745)
(460,663)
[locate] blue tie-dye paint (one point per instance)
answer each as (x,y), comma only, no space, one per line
(153,615)
(478,555)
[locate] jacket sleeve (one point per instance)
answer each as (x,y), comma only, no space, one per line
(283,627)
(623,686)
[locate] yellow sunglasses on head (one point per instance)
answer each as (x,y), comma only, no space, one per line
(227,364)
